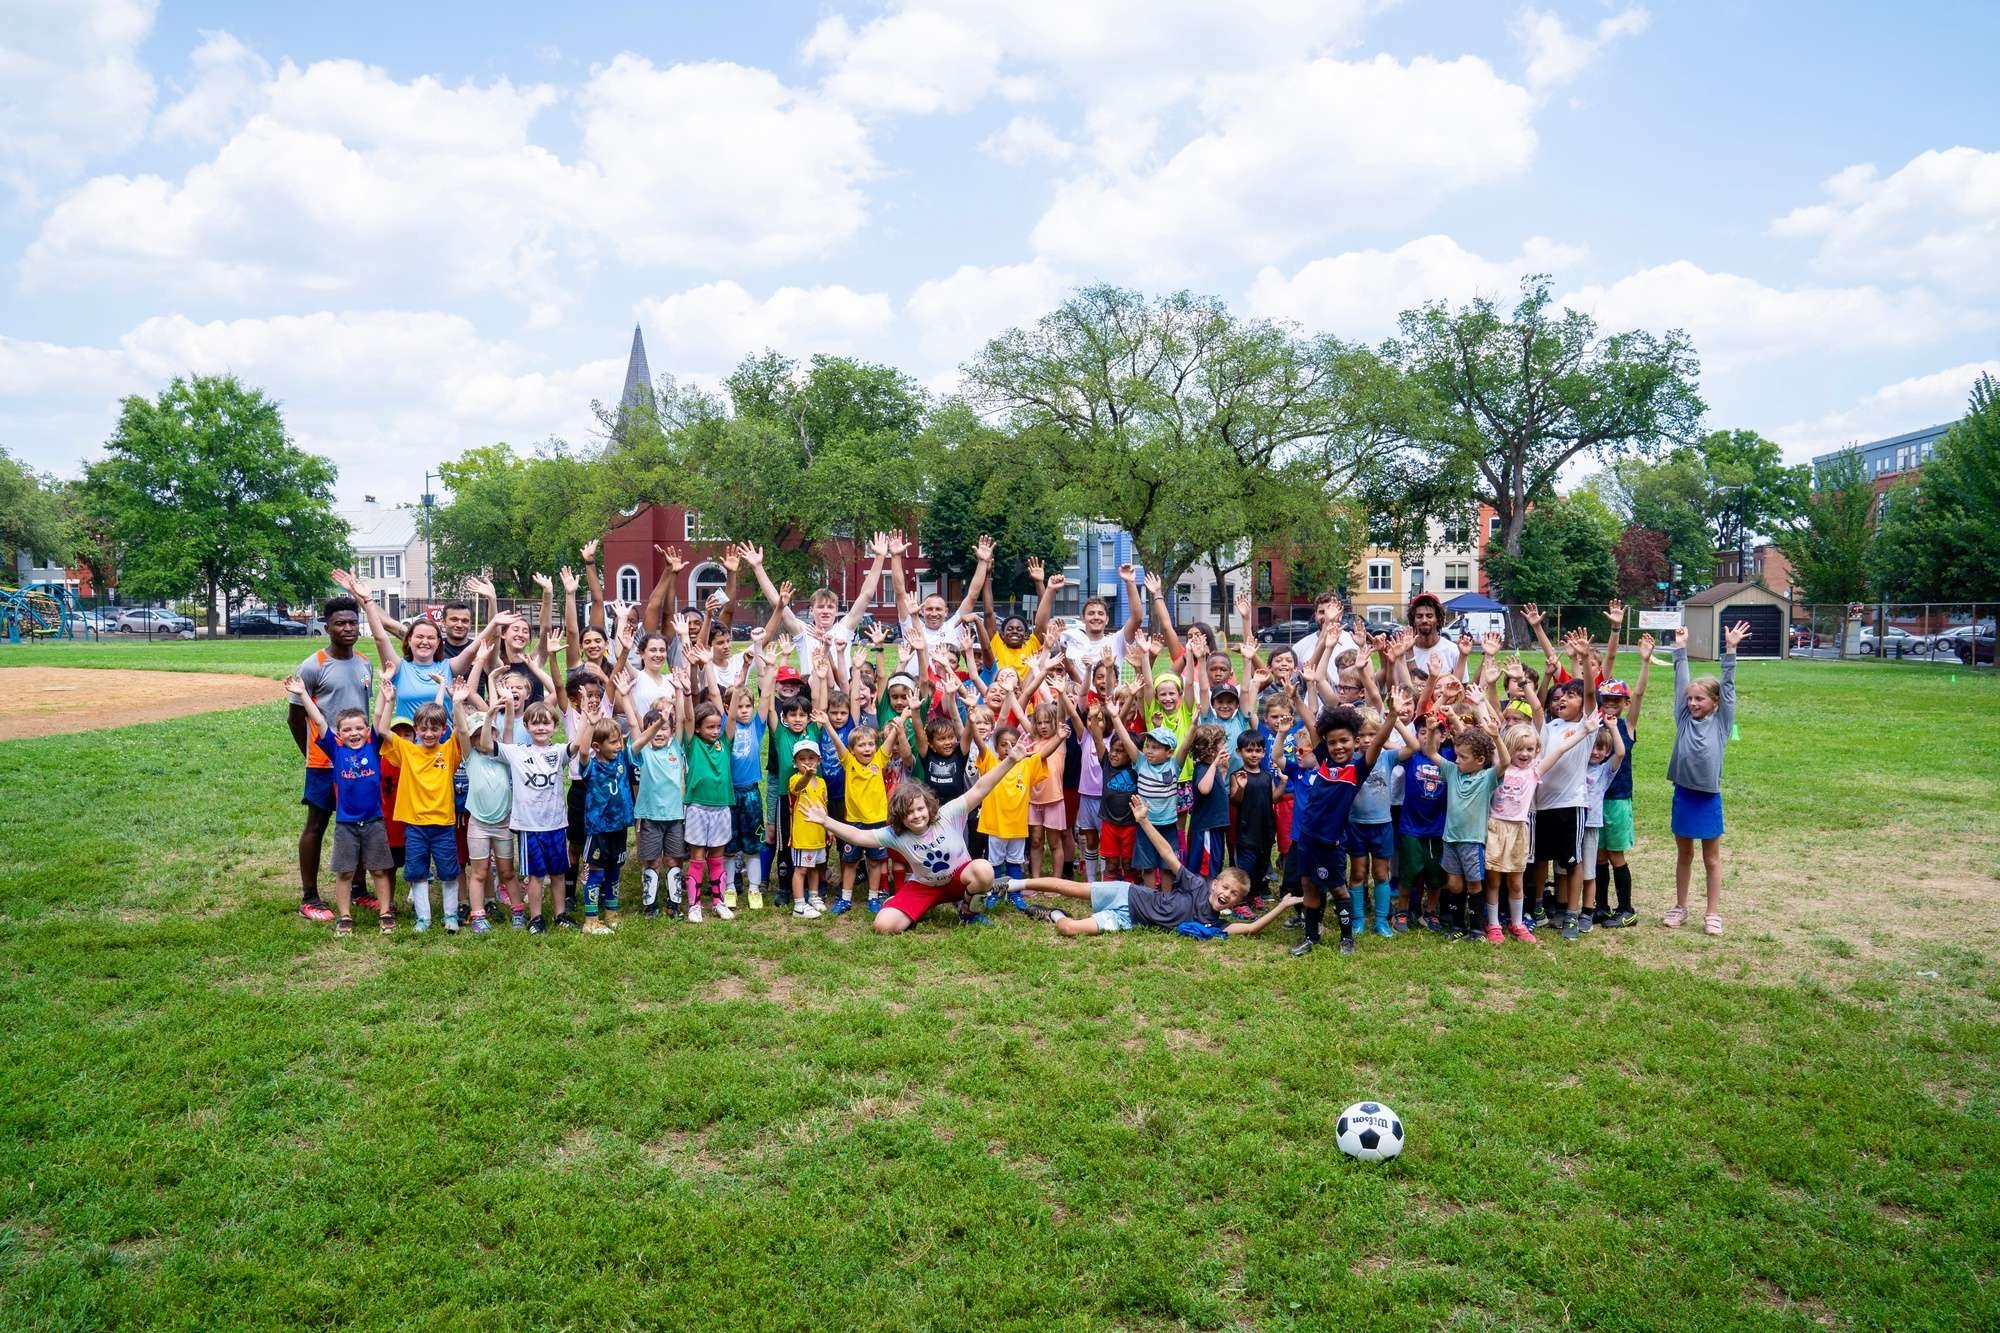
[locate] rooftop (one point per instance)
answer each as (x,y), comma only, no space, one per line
(377,526)
(1927,435)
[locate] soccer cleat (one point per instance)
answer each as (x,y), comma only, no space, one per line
(728,897)
(367,902)
(1568,927)
(1622,918)
(1382,928)
(423,924)
(992,899)
(1347,944)
(1522,934)
(312,909)
(1493,935)
(536,927)
(756,897)
(974,919)
(593,926)
(694,915)
(651,909)
(567,922)
(1015,898)
(1304,947)
(723,912)
(842,906)
(481,926)
(804,910)
(451,923)
(876,901)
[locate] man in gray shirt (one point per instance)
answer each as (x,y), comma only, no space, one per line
(339,681)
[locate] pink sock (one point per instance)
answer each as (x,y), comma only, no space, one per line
(694,873)
(715,876)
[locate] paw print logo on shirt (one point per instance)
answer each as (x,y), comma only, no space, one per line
(937,860)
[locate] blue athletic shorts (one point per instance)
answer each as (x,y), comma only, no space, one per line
(1467,860)
(544,852)
(319,789)
(429,848)
(1371,840)
(1318,865)
(1697,814)
(851,854)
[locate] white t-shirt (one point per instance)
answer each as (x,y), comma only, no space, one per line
(1306,647)
(1563,785)
(1086,651)
(935,853)
(645,691)
(1441,659)
(807,637)
(946,633)
(538,787)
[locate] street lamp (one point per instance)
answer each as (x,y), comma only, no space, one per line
(428,501)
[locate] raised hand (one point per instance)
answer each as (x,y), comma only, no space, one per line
(295,687)
(898,544)
(785,591)
(1035,568)
(461,689)
(1489,671)
(543,582)
(1489,642)
(479,585)
(753,554)
(674,562)
(1735,634)
(1197,645)
(1615,609)
(588,550)
(1152,583)
(878,633)
(732,559)
(1646,645)
(1127,570)
(342,579)
(1681,637)
(554,641)
(982,550)
(568,579)
(1243,608)
(878,545)
(1023,747)
(819,716)
(1531,613)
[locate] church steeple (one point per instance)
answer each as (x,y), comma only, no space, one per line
(638,377)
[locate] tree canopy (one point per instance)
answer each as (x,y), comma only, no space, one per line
(1827,542)
(1565,556)
(35,516)
(1938,535)
(203,491)
(515,516)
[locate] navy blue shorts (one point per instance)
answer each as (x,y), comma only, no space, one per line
(544,852)
(428,848)
(851,854)
(319,789)
(746,822)
(1314,865)
(1371,840)
(1143,855)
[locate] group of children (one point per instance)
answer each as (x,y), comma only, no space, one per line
(1401,781)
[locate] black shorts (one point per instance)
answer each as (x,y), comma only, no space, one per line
(576,824)
(605,851)
(1559,836)
(1315,866)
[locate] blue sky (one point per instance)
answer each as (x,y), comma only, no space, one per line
(429,227)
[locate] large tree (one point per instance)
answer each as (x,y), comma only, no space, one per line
(1708,497)
(1937,535)
(203,491)
(987,481)
(1506,401)
(1565,557)
(35,516)
(514,516)
(1192,430)
(1827,543)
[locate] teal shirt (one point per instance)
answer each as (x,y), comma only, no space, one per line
(1468,798)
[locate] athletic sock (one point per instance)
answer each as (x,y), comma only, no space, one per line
(715,876)
(756,866)
(1385,900)
(726,881)
(1493,911)
(1621,879)
(420,898)
(1514,902)
(1313,917)
(697,868)
(451,898)
(1345,908)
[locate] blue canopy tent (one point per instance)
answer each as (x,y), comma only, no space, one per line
(1472,601)
(1475,613)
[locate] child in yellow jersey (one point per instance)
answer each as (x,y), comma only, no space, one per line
(864,763)
(1003,816)
(807,790)
(425,808)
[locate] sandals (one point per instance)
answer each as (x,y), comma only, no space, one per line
(344,926)
(1675,916)
(1712,924)
(388,923)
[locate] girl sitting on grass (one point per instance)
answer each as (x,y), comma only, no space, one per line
(1704,711)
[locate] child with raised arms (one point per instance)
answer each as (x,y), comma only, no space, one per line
(1704,711)
(1621,704)
(661,805)
(1523,763)
(359,840)
(806,789)
(706,733)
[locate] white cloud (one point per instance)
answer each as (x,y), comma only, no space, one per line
(228,82)
(1937,219)
(348,180)
(708,330)
(1290,151)
(1911,404)
(434,387)
(1027,139)
(1556,55)
(956,314)
(1359,294)
(1737,321)
(73,85)
(916,61)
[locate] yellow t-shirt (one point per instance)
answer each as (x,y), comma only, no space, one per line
(1017,658)
(807,789)
(1004,812)
(867,793)
(423,793)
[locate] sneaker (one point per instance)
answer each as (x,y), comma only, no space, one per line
(817,903)
(1304,947)
(782,901)
(842,906)
(723,911)
(451,921)
(1399,922)
(1522,934)
(423,924)
(568,922)
(1675,916)
(728,898)
(312,909)
(1382,928)
(974,919)
(1243,912)
(367,902)
(1347,944)
(694,915)
(1569,928)
(652,909)
(1037,912)
(992,899)
(1296,921)
(537,927)
(756,897)
(805,911)
(1493,935)
(1587,922)
(1015,899)
(464,913)
(875,902)
(518,919)
(593,926)
(481,926)
(1712,924)
(344,926)
(1435,924)
(1621,918)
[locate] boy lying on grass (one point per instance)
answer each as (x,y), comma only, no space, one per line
(1116,905)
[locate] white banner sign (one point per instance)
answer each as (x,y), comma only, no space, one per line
(1659,620)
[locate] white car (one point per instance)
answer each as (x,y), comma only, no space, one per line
(1893,641)
(155,621)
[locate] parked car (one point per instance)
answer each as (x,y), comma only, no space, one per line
(104,619)
(155,620)
(1893,641)
(265,622)
(1970,644)
(1285,632)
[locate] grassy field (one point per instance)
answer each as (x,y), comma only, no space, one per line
(216,1115)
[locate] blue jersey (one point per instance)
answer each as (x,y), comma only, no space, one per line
(607,793)
(1424,794)
(746,751)
(357,778)
(1621,783)
(1320,816)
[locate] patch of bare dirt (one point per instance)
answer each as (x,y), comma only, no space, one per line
(57,701)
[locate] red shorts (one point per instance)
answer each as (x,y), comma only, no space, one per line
(1070,799)
(1116,841)
(1282,809)
(913,899)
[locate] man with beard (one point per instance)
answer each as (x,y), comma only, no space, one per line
(338,679)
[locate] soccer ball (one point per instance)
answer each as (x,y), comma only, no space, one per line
(1369,1131)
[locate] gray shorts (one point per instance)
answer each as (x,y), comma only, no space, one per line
(806,858)
(1590,853)
(662,837)
(1089,812)
(1467,860)
(484,840)
(363,846)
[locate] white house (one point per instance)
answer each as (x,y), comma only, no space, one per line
(390,556)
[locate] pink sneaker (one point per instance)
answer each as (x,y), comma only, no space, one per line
(1712,924)
(315,911)
(1493,935)
(1522,934)
(1675,916)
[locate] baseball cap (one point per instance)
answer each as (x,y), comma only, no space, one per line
(1221,690)
(787,674)
(1161,736)
(807,744)
(1614,689)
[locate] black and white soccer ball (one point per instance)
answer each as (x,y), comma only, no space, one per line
(1370,1131)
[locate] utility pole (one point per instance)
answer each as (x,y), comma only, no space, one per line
(428,501)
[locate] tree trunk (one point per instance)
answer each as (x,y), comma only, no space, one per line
(1215,571)
(208,611)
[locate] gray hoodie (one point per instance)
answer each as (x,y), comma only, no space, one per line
(1696,762)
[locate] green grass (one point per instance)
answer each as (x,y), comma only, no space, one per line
(216,1115)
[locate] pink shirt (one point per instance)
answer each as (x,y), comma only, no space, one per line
(1514,794)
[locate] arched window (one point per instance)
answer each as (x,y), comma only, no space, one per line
(628,584)
(708,577)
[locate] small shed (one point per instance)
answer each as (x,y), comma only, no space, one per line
(1710,610)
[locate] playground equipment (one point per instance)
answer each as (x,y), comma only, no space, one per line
(34,614)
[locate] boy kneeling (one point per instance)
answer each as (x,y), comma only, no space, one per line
(1115,905)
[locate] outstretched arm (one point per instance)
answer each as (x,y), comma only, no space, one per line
(990,779)
(1126,576)
(1161,847)
(869,582)
(1645,650)
(1045,589)
(979,576)
(1163,619)
(1284,905)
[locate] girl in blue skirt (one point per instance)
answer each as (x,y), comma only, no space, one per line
(1704,712)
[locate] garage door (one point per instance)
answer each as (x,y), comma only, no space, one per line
(1767,629)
